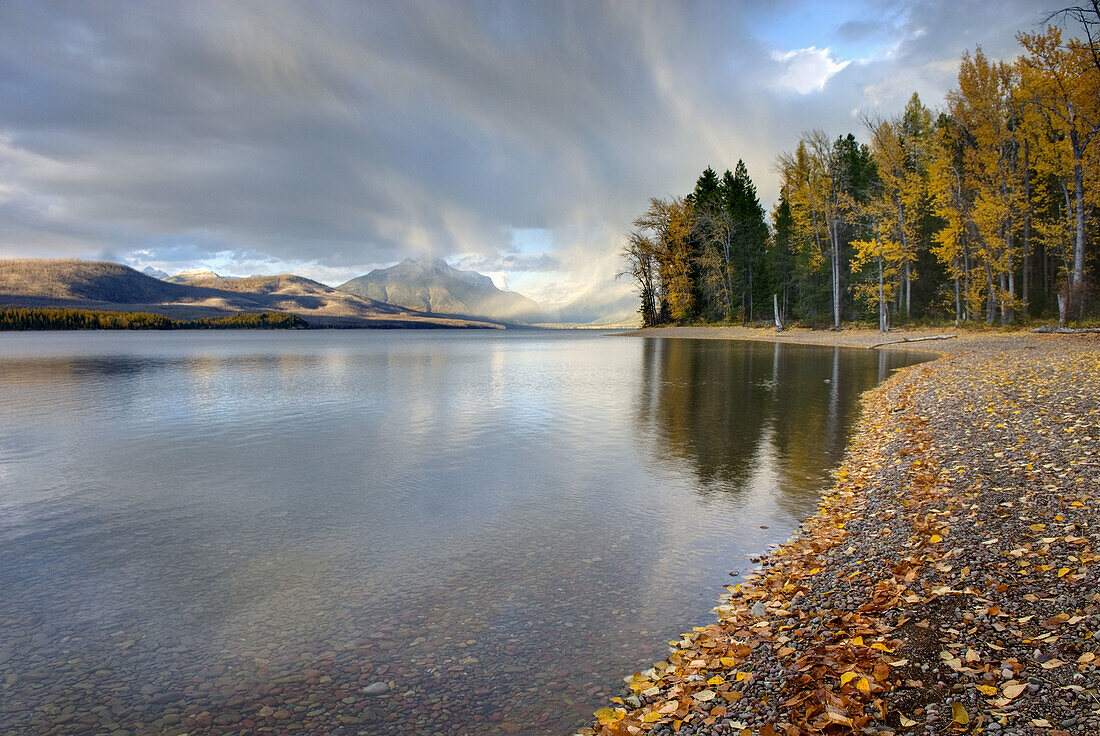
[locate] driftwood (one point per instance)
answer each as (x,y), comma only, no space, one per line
(1048,330)
(912,339)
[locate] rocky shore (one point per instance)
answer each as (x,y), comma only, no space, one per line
(948,583)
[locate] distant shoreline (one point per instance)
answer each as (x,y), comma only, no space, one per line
(28,319)
(854,337)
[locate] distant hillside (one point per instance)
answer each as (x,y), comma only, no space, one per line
(69,279)
(113,287)
(433,286)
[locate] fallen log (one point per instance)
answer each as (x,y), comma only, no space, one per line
(912,339)
(1048,330)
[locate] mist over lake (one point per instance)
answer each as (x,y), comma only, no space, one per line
(385,532)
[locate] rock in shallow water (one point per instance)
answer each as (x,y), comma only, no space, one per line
(376,688)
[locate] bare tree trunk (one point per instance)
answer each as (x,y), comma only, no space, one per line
(775,307)
(1079,201)
(958,309)
(1025,297)
(836,275)
(882,326)
(991,300)
(905,254)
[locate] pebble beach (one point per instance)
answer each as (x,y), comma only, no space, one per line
(948,582)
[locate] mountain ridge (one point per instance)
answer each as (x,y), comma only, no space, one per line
(103,285)
(434,286)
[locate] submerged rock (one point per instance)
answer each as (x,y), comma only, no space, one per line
(376,688)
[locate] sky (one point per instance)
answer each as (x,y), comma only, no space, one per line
(518,139)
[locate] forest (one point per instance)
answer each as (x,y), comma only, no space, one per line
(982,211)
(60,318)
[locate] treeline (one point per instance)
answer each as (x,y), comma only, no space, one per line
(982,211)
(58,318)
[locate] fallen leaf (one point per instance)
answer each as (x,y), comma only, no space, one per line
(609,716)
(959,714)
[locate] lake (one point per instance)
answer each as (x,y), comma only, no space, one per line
(238,532)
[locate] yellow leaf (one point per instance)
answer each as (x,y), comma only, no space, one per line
(857,642)
(987,690)
(882,647)
(936,538)
(609,716)
(651,717)
(959,714)
(846,678)
(727,661)
(742,676)
(1063,572)
(863,686)
(716,680)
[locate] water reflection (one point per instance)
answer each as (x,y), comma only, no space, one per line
(199,531)
(745,413)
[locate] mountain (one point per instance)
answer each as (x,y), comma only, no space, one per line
(192,274)
(39,282)
(433,286)
(155,273)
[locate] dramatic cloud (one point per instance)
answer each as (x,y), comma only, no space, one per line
(806,70)
(330,138)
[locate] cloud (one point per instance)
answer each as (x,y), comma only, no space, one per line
(340,136)
(806,70)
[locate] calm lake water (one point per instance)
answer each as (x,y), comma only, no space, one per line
(229,532)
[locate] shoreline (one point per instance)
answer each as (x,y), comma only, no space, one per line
(944,586)
(857,337)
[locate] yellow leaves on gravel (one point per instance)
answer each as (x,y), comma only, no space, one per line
(609,716)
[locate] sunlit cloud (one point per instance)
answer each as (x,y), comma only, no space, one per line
(806,70)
